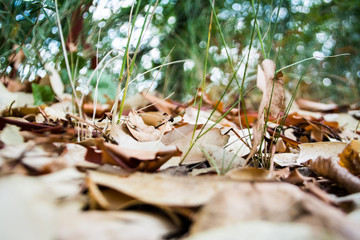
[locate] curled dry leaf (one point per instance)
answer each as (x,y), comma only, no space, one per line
(108,199)
(272,87)
(315,106)
(135,159)
(165,106)
(55,80)
(157,120)
(273,95)
(329,168)
(181,137)
(140,130)
(350,157)
(295,177)
(280,146)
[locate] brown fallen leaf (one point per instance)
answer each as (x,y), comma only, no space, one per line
(272,87)
(139,130)
(272,100)
(37,158)
(220,158)
(262,229)
(136,159)
(273,202)
(329,168)
(55,80)
(10,135)
(280,146)
(286,159)
(165,106)
(315,106)
(295,177)
(345,120)
(181,137)
(34,204)
(250,174)
(350,157)
(133,225)
(161,189)
(157,120)
(311,151)
(108,199)
(20,98)
(28,205)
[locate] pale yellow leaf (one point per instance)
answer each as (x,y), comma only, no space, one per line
(311,151)
(10,135)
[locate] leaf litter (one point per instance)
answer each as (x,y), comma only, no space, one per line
(64,176)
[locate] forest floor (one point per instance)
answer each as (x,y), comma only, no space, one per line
(169,171)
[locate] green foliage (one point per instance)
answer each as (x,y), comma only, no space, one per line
(42,94)
(302,28)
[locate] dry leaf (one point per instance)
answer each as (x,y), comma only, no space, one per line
(20,98)
(32,203)
(10,135)
(275,202)
(280,146)
(273,95)
(110,225)
(350,157)
(28,209)
(136,159)
(191,115)
(57,111)
(250,174)
(165,106)
(55,81)
(262,229)
(345,120)
(135,101)
(329,168)
(311,151)
(163,189)
(238,141)
(220,158)
(315,106)
(124,139)
(66,186)
(181,137)
(295,177)
(108,199)
(34,156)
(157,120)
(272,87)
(286,159)
(140,130)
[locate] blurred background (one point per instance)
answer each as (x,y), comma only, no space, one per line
(97,30)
